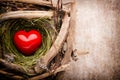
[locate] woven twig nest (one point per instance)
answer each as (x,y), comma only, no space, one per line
(54,30)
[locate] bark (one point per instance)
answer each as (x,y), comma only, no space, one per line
(26,14)
(95,28)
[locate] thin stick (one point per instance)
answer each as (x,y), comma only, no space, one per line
(11,75)
(58,42)
(11,66)
(68,52)
(43,3)
(41,76)
(61,68)
(26,14)
(38,2)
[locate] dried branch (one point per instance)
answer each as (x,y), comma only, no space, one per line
(76,53)
(61,68)
(11,66)
(58,42)
(41,76)
(68,52)
(26,14)
(38,2)
(70,39)
(51,4)
(11,75)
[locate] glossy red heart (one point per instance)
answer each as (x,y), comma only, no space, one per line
(27,42)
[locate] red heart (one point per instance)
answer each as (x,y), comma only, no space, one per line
(27,42)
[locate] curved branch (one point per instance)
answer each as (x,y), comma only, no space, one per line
(54,50)
(38,2)
(11,75)
(45,3)
(12,66)
(26,14)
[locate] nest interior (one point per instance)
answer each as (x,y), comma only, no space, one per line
(9,28)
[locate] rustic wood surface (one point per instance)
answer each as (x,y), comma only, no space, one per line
(96,30)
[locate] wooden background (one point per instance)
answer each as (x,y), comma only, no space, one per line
(95,27)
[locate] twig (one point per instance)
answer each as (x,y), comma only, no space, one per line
(11,75)
(70,39)
(26,14)
(41,76)
(58,42)
(12,66)
(69,50)
(38,2)
(43,3)
(61,68)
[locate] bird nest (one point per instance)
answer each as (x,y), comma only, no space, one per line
(48,18)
